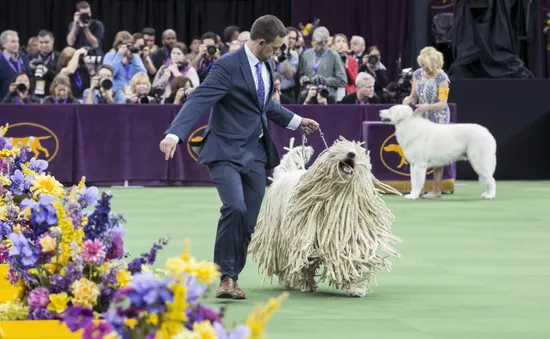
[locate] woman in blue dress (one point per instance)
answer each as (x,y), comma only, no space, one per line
(430,91)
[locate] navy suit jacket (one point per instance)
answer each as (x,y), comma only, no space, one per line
(236,118)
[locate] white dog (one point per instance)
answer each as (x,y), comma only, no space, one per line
(426,145)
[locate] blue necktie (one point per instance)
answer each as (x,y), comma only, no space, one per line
(261,88)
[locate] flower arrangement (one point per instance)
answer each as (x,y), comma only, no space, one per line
(58,254)
(168,305)
(309,27)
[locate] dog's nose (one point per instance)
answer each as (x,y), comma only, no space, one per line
(351,155)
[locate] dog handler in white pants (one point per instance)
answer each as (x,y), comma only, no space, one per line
(430,91)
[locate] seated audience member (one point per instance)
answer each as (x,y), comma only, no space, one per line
(208,54)
(144,53)
(44,63)
(372,65)
(140,87)
(85,31)
(159,57)
(101,89)
(149,35)
(181,88)
(175,67)
(12,61)
(323,61)
(124,60)
(19,91)
(243,37)
(278,95)
(340,45)
(193,49)
(60,91)
(316,93)
(286,64)
(230,34)
(72,64)
(364,94)
(357,47)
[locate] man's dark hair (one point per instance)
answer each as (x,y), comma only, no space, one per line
(82,5)
(44,32)
(209,35)
(267,27)
(228,33)
(148,31)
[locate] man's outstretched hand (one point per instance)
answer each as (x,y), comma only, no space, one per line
(168,147)
(309,126)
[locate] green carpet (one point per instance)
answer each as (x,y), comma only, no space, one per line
(469,269)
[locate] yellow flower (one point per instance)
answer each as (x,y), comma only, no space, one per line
(205,271)
(204,329)
(52,268)
(258,319)
(82,183)
(16,229)
(112,335)
(5,181)
(183,334)
(123,278)
(46,184)
(48,244)
(130,323)
(84,221)
(27,171)
(58,302)
(13,310)
(85,293)
(6,153)
(154,319)
(168,329)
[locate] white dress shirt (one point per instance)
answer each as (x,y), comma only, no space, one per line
(253,60)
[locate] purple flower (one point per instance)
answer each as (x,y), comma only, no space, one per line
(43,214)
(38,298)
(149,293)
(21,249)
(89,197)
(240,332)
(147,258)
(17,182)
(40,314)
(2,142)
(194,289)
(38,166)
(97,331)
(77,317)
(116,251)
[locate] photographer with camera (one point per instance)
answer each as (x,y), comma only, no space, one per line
(144,53)
(175,67)
(11,62)
(60,92)
(161,55)
(73,64)
(85,31)
(18,92)
(286,64)
(340,45)
(323,61)
(372,65)
(101,89)
(180,90)
(125,61)
(140,87)
(44,63)
(316,92)
(208,54)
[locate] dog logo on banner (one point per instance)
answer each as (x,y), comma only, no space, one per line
(44,144)
(393,158)
(442,4)
(195,136)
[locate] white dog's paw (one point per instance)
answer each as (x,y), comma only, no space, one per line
(411,196)
(488,196)
(356,291)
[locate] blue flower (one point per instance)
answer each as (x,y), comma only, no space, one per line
(98,221)
(43,214)
(2,142)
(194,289)
(240,332)
(148,293)
(89,197)
(20,248)
(38,166)
(17,182)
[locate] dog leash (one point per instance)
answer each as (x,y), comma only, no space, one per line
(304,142)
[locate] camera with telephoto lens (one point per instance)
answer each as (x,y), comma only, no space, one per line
(21,88)
(323,91)
(134,50)
(211,50)
(105,83)
(85,18)
(373,59)
(39,71)
(403,85)
(157,93)
(181,64)
(143,98)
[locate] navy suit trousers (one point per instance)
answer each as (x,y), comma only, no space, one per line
(241,192)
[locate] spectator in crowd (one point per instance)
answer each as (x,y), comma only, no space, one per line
(340,45)
(140,86)
(364,94)
(19,91)
(235,45)
(149,35)
(12,62)
(193,49)
(180,90)
(44,63)
(278,95)
(175,67)
(101,89)
(208,54)
(322,61)
(243,37)
(371,64)
(60,91)
(316,93)
(124,60)
(144,53)
(32,46)
(85,31)
(72,64)
(286,64)
(292,37)
(300,46)
(357,46)
(159,57)
(230,33)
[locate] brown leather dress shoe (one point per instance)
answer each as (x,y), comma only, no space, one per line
(238,293)
(226,290)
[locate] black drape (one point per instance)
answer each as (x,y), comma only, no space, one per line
(485,39)
(189,18)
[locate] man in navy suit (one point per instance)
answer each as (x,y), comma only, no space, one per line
(237,147)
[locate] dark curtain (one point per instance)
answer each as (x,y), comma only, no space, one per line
(485,39)
(384,23)
(189,18)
